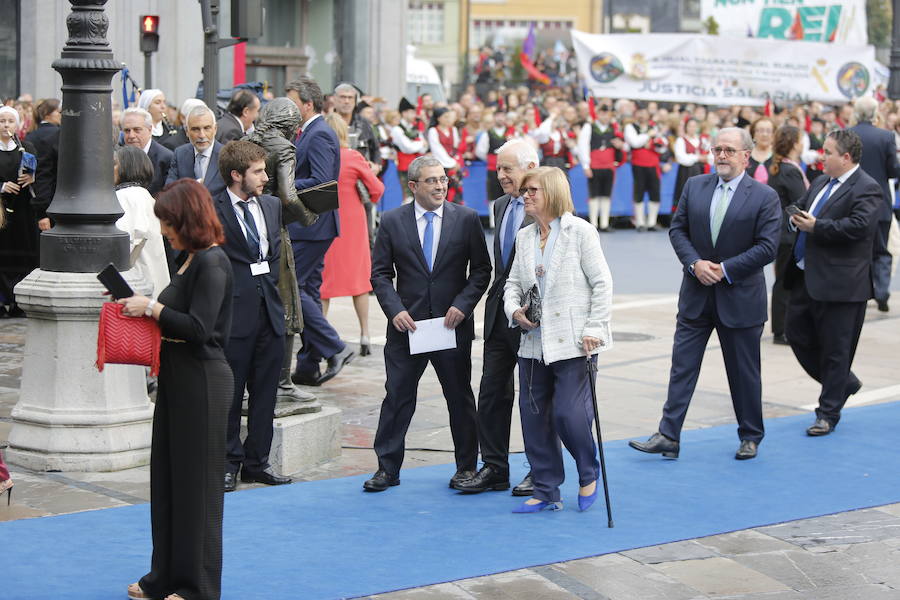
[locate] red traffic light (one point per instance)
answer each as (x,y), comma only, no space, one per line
(150,24)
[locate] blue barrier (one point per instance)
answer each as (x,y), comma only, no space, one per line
(475,193)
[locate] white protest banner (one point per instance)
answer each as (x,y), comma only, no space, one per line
(830,21)
(681,67)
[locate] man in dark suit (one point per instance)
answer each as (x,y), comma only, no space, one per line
(496,395)
(879,161)
(831,275)
(318,161)
(45,140)
(252,223)
(239,116)
(200,159)
(137,131)
(442,266)
(725,231)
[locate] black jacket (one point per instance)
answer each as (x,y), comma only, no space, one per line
(879,161)
(45,140)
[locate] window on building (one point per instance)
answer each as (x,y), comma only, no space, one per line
(426,22)
(690,9)
(9,48)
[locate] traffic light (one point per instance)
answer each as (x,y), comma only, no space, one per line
(149,33)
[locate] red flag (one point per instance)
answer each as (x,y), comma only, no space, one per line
(537,117)
(797,28)
(420,122)
(533,71)
(769,108)
(592,109)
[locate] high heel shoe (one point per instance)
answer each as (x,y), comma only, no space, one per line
(525,507)
(6,487)
(585,502)
(364,349)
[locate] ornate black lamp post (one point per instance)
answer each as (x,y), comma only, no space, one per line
(84,238)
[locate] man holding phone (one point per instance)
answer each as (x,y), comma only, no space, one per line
(830,276)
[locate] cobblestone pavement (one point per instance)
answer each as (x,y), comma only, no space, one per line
(853,555)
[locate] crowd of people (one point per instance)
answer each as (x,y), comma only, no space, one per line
(240,260)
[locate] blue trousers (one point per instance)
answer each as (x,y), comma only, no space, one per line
(555,404)
(320,340)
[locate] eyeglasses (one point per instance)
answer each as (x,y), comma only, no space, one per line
(433,180)
(531,191)
(727,150)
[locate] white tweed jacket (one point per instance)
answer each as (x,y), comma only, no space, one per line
(577,290)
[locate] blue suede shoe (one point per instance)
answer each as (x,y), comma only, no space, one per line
(585,502)
(533,508)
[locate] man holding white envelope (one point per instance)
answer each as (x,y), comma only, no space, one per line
(437,252)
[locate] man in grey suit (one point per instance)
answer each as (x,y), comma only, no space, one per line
(239,116)
(200,158)
(725,231)
(496,394)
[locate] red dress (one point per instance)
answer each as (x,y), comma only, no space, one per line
(348,264)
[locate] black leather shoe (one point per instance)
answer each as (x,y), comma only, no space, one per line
(380,481)
(489,478)
(883,305)
(460,476)
(853,386)
(525,488)
(267,477)
(306,378)
(336,363)
(230,482)
(780,340)
(820,427)
(746,451)
(657,444)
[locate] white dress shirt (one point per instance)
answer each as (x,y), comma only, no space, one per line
(421,222)
(258,219)
(308,121)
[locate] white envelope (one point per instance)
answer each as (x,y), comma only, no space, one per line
(430,336)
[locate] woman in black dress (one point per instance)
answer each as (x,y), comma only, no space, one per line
(187,463)
(788,180)
(18,227)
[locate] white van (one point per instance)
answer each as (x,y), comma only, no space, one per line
(422,78)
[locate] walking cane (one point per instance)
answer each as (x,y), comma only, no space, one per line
(592,374)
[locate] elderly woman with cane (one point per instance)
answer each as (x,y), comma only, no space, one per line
(559,291)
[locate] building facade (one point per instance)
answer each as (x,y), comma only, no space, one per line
(330,40)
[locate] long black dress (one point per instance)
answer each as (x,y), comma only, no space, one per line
(19,237)
(187,463)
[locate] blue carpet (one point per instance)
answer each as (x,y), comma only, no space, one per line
(328,539)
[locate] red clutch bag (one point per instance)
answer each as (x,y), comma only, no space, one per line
(124,340)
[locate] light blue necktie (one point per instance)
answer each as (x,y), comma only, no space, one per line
(719,215)
(800,246)
(199,160)
(509,232)
(428,238)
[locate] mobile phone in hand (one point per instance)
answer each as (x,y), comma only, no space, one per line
(113,281)
(793,209)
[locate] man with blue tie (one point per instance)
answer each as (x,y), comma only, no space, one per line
(252,223)
(496,394)
(318,162)
(725,231)
(437,253)
(831,277)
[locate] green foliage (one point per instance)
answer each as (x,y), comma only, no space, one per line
(711,26)
(878,17)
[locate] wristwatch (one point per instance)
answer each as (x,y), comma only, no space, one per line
(149,310)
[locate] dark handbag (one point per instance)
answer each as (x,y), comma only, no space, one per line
(320,198)
(533,305)
(124,340)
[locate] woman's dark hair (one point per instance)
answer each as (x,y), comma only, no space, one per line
(45,108)
(186,206)
(786,137)
(134,165)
